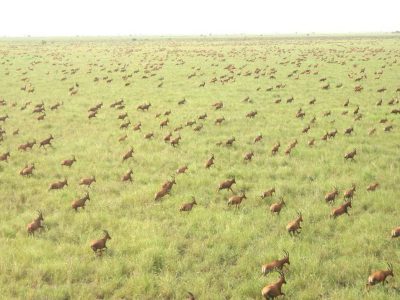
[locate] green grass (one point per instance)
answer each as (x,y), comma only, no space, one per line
(215,251)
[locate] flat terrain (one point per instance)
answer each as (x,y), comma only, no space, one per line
(216,250)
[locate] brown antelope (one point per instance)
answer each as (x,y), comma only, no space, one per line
(169,184)
(160,194)
(274,290)
(58,185)
(351,154)
(144,107)
(218,105)
(372,131)
(149,135)
(294,226)
(87,181)
(164,123)
(348,194)
(5,156)
(4,118)
(311,142)
(227,184)
(92,114)
(182,169)
(27,170)
(372,187)
(174,142)
(137,126)
(248,156)
(210,161)
(396,232)
(188,206)
(80,202)
(236,199)
(251,114)
(100,245)
(276,264)
(190,296)
(127,176)
(68,162)
(277,207)
(202,117)
(27,145)
(35,224)
(128,154)
(268,193)
(258,138)
(275,148)
(219,121)
(123,116)
(349,130)
(380,276)
(331,196)
(46,141)
(125,125)
(342,209)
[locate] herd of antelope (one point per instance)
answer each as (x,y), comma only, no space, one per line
(168,131)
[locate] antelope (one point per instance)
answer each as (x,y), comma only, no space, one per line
(149,135)
(68,162)
(218,105)
(137,127)
(236,199)
(311,142)
(388,128)
(87,181)
(251,114)
(258,138)
(167,138)
(35,224)
(80,202)
(277,207)
(227,184)
(123,138)
(268,193)
(349,130)
(188,206)
(4,118)
(275,148)
(101,243)
(26,146)
(350,155)
(210,161)
(144,107)
(346,103)
(182,170)
(276,264)
(248,156)
(342,209)
(379,103)
(306,129)
(116,103)
(348,194)
(181,102)
(294,226)
(202,117)
(161,194)
(41,117)
(27,170)
(164,123)
(331,196)
(128,154)
(175,141)
(92,115)
(127,176)
(125,125)
(332,134)
(123,116)
(380,276)
(5,156)
(58,185)
(169,184)
(396,232)
(46,141)
(274,290)
(372,187)
(219,121)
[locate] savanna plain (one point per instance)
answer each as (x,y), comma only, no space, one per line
(196,155)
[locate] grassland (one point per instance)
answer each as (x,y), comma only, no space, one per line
(215,251)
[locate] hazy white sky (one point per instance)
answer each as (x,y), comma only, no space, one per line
(169,17)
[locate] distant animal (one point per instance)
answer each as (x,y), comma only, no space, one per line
(188,206)
(274,290)
(80,203)
(58,185)
(227,184)
(98,246)
(35,224)
(380,276)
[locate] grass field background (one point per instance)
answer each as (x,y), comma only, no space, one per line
(215,251)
